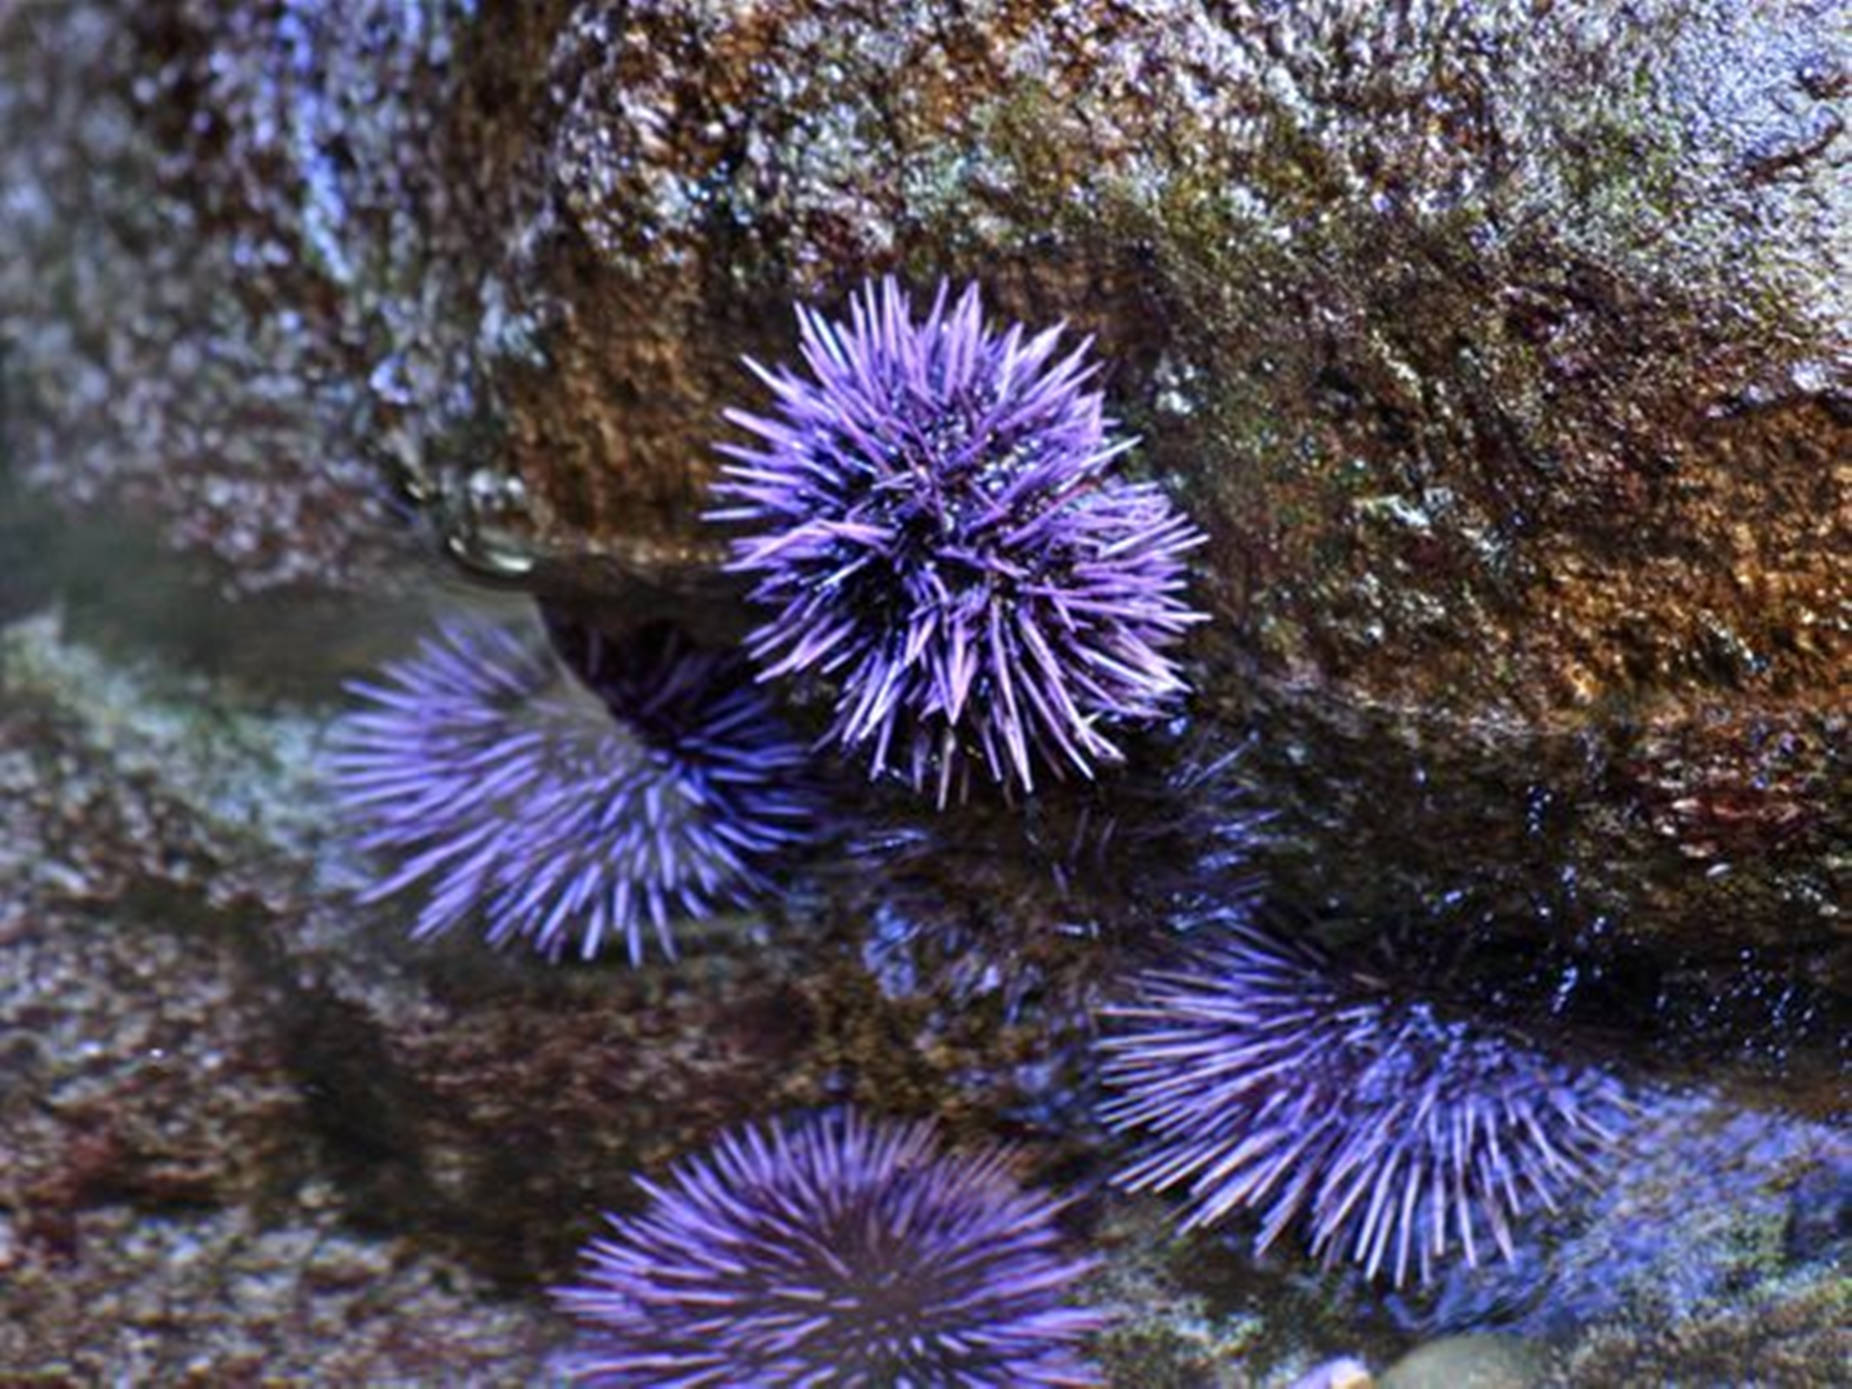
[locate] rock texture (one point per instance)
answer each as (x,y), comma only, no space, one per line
(1507,356)
(1503,349)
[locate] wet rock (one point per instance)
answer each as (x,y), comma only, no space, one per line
(1820,1213)
(1503,348)
(1164,1335)
(242,1299)
(1680,1249)
(199,1024)
(1512,382)
(1675,888)
(222,279)
(1512,379)
(1468,1362)
(156,871)
(1497,405)
(1337,1374)
(1794,1340)
(1499,386)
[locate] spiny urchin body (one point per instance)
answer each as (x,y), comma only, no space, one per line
(569,811)
(934,523)
(1184,818)
(1178,815)
(1263,1078)
(841,1251)
(1041,908)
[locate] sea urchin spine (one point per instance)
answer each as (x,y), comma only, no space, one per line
(839,1251)
(1262,1078)
(933,522)
(656,784)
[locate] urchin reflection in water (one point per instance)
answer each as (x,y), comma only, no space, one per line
(657,784)
(934,522)
(1263,1077)
(841,1251)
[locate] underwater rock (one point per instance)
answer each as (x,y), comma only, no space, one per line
(1468,1362)
(228,1296)
(1501,349)
(1797,1339)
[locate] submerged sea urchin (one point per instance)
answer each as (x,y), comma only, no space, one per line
(1039,908)
(1264,1079)
(570,811)
(935,524)
(842,1251)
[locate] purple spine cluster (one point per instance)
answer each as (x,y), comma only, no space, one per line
(840,1251)
(934,523)
(570,808)
(1261,1078)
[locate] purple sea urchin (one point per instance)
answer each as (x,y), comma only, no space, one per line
(1040,908)
(571,811)
(1265,1079)
(934,523)
(842,1251)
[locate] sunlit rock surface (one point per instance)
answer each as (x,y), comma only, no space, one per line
(1504,351)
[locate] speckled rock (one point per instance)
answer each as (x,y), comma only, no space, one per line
(1515,376)
(1796,1340)
(1512,382)
(243,1299)
(228,275)
(1511,378)
(198,1024)
(165,1213)
(1503,349)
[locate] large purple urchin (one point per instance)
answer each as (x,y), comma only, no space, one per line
(1265,1079)
(934,523)
(566,810)
(841,1251)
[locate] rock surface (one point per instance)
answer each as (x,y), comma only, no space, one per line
(1503,349)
